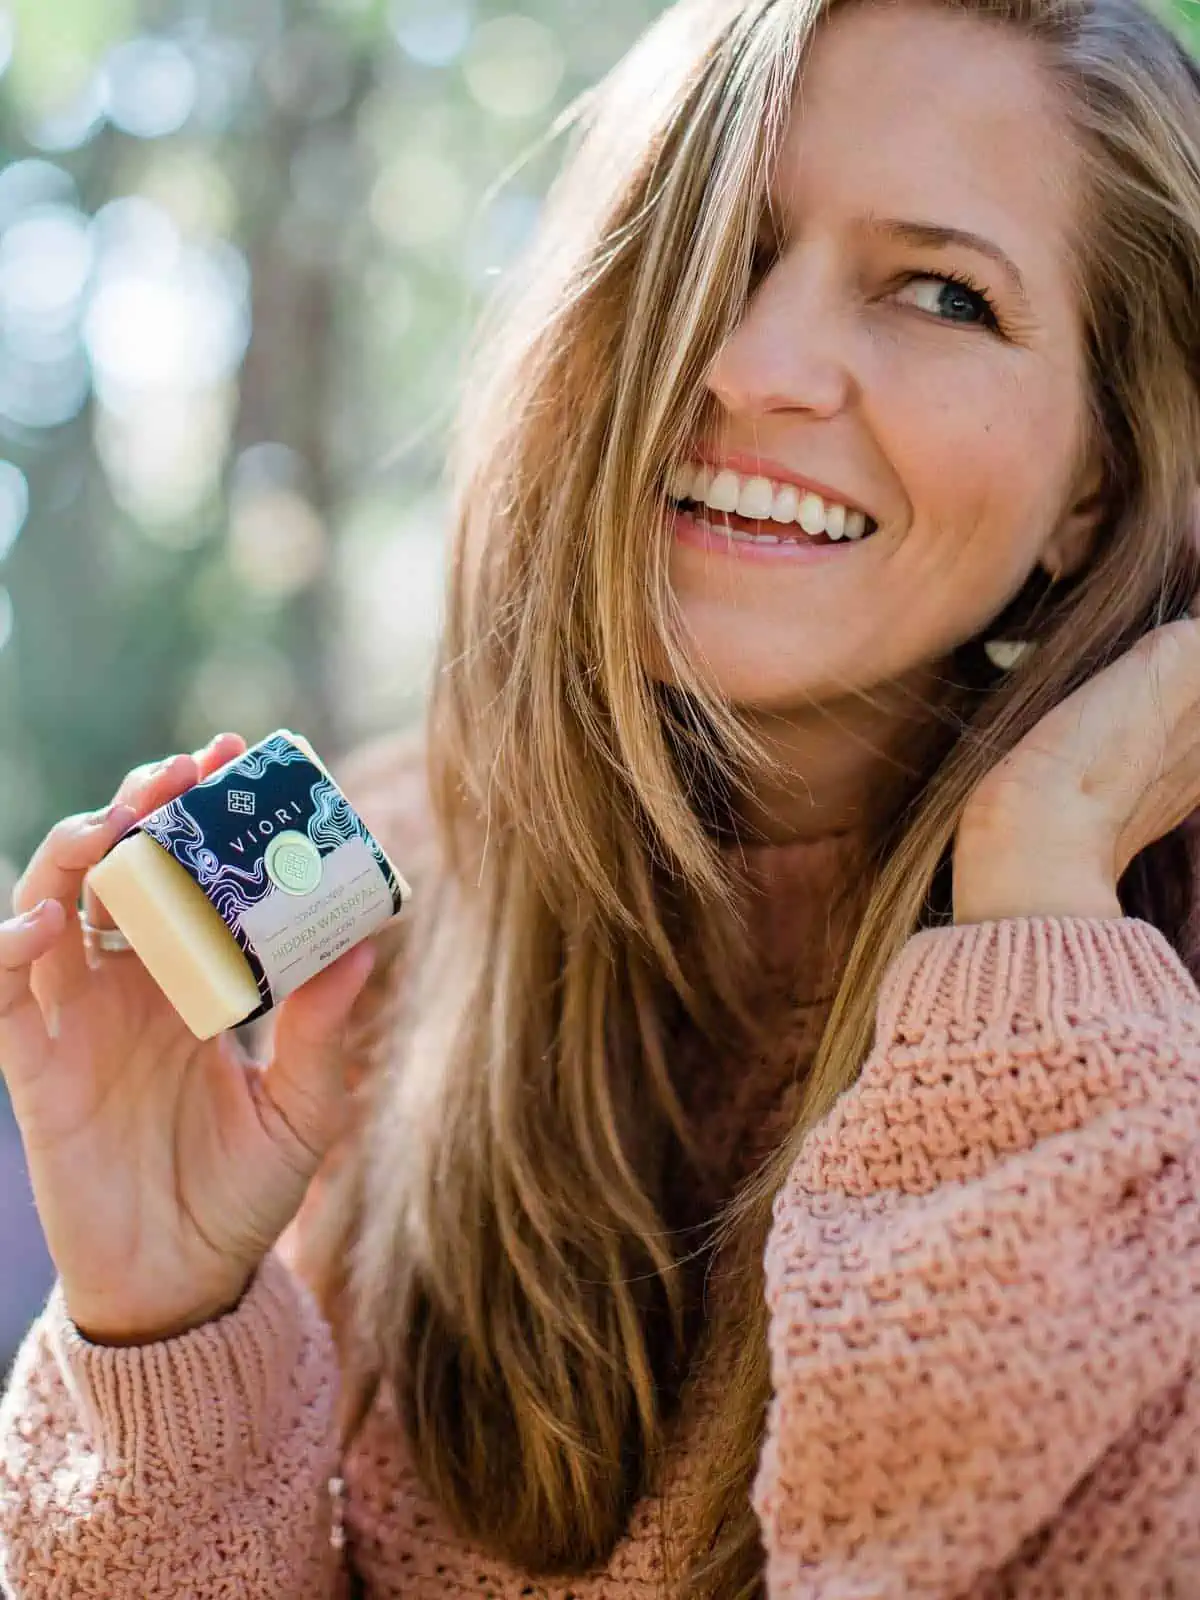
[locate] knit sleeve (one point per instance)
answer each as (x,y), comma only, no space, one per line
(983,1282)
(205,1465)
(199,1465)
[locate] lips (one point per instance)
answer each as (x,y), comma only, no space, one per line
(742,524)
(721,538)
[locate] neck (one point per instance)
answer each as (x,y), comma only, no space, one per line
(849,763)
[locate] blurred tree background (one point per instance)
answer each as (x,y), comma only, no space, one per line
(241,245)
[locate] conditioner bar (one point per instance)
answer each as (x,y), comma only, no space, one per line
(247,885)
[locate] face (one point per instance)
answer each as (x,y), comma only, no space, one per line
(912,351)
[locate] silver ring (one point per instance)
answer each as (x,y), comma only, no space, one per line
(111,941)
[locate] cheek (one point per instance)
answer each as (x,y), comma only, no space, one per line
(983,464)
(977,459)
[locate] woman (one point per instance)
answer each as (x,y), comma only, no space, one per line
(758,910)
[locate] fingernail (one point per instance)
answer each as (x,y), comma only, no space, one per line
(35,913)
(158,770)
(53,1021)
(111,815)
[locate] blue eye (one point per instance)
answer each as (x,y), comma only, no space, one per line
(949,299)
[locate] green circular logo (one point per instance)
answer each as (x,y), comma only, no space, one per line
(293,862)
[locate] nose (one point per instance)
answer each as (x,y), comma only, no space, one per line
(791,352)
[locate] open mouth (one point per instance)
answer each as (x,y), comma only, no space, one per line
(751,508)
(768,532)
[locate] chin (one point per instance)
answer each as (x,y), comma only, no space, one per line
(764,685)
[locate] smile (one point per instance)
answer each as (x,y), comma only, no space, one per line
(739,514)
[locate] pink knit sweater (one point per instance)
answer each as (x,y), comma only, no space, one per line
(984,1292)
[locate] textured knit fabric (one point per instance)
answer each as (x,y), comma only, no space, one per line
(983,1281)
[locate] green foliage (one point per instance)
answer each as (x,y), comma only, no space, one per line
(221,534)
(197,532)
(200,533)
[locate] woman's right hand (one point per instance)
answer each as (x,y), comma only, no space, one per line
(164,1167)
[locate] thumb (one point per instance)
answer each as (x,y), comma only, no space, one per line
(304,1078)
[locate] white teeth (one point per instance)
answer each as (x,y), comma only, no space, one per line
(723,492)
(741,536)
(756,499)
(811,515)
(760,500)
(787,503)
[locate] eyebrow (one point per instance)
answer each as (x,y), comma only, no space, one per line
(934,236)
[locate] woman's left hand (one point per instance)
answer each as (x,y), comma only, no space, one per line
(1111,769)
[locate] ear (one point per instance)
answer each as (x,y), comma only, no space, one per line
(1069,546)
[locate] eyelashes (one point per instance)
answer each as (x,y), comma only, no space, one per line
(765,256)
(967,292)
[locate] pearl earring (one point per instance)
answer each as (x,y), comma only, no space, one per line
(1005,653)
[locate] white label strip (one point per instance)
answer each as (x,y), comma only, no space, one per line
(296,935)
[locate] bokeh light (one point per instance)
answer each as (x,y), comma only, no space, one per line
(244,684)
(14,505)
(148,87)
(69,125)
(180,326)
(513,66)
(278,542)
(33,182)
(419,199)
(430,32)
(46,261)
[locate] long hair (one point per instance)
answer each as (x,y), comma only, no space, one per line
(501,1256)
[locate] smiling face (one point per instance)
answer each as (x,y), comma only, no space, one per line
(896,367)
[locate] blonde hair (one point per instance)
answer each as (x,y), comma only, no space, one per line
(512,1276)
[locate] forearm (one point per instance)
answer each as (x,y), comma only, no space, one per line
(981,1269)
(198,1465)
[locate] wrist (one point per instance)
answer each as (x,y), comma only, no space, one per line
(988,900)
(107,1325)
(995,878)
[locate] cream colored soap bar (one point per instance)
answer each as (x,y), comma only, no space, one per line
(240,890)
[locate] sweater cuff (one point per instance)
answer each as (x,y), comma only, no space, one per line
(1030,974)
(208,1399)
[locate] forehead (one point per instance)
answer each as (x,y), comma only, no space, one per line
(910,109)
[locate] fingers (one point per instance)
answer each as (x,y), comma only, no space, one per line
(304,1080)
(56,867)
(220,749)
(24,1040)
(143,790)
(59,866)
(1130,738)
(138,785)
(55,873)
